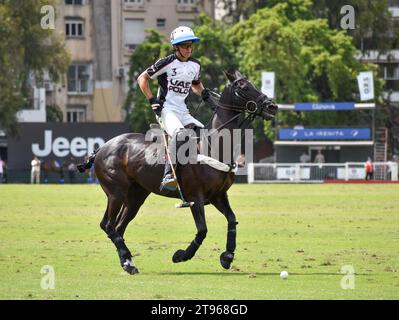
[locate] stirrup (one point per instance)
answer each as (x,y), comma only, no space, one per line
(168,183)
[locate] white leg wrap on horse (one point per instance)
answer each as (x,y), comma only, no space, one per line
(129,263)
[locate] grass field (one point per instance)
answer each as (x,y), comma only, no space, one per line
(311,231)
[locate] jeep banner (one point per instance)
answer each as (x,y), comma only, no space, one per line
(58,141)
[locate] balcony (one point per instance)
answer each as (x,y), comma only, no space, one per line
(137,6)
(186,8)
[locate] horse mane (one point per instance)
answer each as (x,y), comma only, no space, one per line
(225,97)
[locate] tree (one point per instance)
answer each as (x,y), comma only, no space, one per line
(54,113)
(312,62)
(26,51)
(374,27)
(10,61)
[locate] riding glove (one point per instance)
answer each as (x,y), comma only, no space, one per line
(206,94)
(156,106)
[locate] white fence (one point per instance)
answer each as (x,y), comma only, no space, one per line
(314,172)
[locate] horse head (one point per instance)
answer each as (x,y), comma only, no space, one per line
(241,95)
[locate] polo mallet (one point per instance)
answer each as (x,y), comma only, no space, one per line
(184,203)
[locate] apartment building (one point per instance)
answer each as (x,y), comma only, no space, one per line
(100,36)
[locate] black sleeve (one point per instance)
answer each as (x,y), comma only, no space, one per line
(159,67)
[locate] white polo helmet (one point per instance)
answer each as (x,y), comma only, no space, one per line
(182,34)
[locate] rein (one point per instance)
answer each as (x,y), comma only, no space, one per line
(230,107)
(239,110)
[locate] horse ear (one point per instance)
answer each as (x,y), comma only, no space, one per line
(229,76)
(239,75)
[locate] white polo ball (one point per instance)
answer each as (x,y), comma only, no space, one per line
(284,274)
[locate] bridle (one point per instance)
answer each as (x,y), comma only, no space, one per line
(249,106)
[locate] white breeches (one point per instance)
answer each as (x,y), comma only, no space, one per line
(174,121)
(35,176)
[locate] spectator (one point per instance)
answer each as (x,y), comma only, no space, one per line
(72,170)
(35,172)
(369,169)
(2,168)
(319,171)
(304,158)
(319,157)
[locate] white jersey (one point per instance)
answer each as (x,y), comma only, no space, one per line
(175,78)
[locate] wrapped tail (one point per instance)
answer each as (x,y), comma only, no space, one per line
(88,163)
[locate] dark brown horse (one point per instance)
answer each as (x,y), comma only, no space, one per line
(128,178)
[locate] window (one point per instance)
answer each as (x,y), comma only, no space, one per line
(79,78)
(75,2)
(74,27)
(76,113)
(134,1)
(390,73)
(187,23)
(183,2)
(161,23)
(134,32)
(186,6)
(134,5)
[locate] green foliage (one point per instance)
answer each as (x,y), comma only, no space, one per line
(374,25)
(214,51)
(312,62)
(10,61)
(26,51)
(373,21)
(54,113)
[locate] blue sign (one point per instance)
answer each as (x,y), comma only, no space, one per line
(325,134)
(324,106)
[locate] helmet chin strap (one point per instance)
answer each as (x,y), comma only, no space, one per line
(181,55)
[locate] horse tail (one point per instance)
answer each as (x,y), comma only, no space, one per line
(88,163)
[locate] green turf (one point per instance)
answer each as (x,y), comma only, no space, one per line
(309,230)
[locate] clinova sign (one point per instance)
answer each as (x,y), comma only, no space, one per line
(61,147)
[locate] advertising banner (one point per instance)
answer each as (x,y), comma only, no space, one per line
(324,106)
(366,85)
(268,80)
(325,134)
(59,141)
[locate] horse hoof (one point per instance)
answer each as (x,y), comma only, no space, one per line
(226,258)
(130,269)
(178,256)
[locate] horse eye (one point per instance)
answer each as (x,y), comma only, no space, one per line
(244,87)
